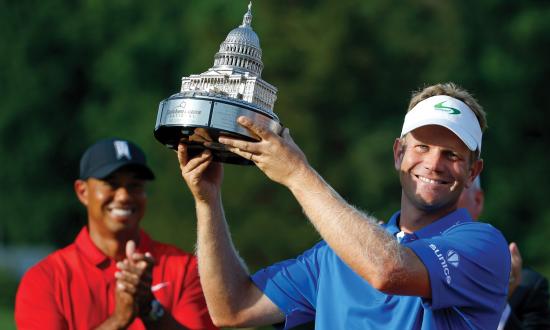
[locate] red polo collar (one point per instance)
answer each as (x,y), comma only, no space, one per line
(92,253)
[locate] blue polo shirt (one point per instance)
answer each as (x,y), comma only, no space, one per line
(468,263)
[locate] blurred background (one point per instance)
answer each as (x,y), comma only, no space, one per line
(72,72)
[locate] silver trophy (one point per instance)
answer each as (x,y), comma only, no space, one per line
(209,103)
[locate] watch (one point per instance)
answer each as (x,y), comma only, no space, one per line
(156,312)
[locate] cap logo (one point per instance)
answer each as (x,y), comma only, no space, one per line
(450,110)
(122,150)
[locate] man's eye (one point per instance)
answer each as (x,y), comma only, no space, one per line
(453,156)
(108,184)
(136,187)
(422,148)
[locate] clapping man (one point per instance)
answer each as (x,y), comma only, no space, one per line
(114,276)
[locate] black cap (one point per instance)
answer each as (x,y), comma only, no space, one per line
(106,156)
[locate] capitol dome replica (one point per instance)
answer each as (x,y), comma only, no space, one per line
(209,104)
(237,69)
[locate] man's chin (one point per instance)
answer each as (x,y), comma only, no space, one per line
(433,206)
(119,224)
(429,208)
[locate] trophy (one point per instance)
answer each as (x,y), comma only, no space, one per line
(209,103)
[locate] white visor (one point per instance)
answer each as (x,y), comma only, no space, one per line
(448,112)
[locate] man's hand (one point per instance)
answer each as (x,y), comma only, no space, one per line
(125,306)
(202,175)
(125,311)
(278,157)
(135,277)
(517,265)
(133,288)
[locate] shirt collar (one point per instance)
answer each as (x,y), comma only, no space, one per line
(433,229)
(90,251)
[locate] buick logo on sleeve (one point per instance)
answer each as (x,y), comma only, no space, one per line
(453,258)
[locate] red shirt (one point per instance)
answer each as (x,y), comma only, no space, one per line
(74,287)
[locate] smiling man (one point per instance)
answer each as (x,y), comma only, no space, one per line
(114,276)
(430,267)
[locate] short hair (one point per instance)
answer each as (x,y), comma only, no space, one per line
(455,91)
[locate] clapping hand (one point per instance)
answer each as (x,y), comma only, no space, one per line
(133,283)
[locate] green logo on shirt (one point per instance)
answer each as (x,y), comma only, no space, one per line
(451,111)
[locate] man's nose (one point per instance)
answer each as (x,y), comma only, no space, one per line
(434,160)
(122,193)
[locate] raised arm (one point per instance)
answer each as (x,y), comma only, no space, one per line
(232,299)
(355,237)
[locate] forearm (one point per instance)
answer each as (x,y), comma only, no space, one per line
(224,277)
(355,237)
(112,323)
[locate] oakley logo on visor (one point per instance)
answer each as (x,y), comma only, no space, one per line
(449,110)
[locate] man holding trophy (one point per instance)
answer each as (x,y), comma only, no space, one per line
(430,267)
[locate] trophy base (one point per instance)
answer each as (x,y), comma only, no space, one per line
(171,136)
(194,118)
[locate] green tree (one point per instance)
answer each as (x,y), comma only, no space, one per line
(71,73)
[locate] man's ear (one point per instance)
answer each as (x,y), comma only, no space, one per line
(398,150)
(81,190)
(475,170)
